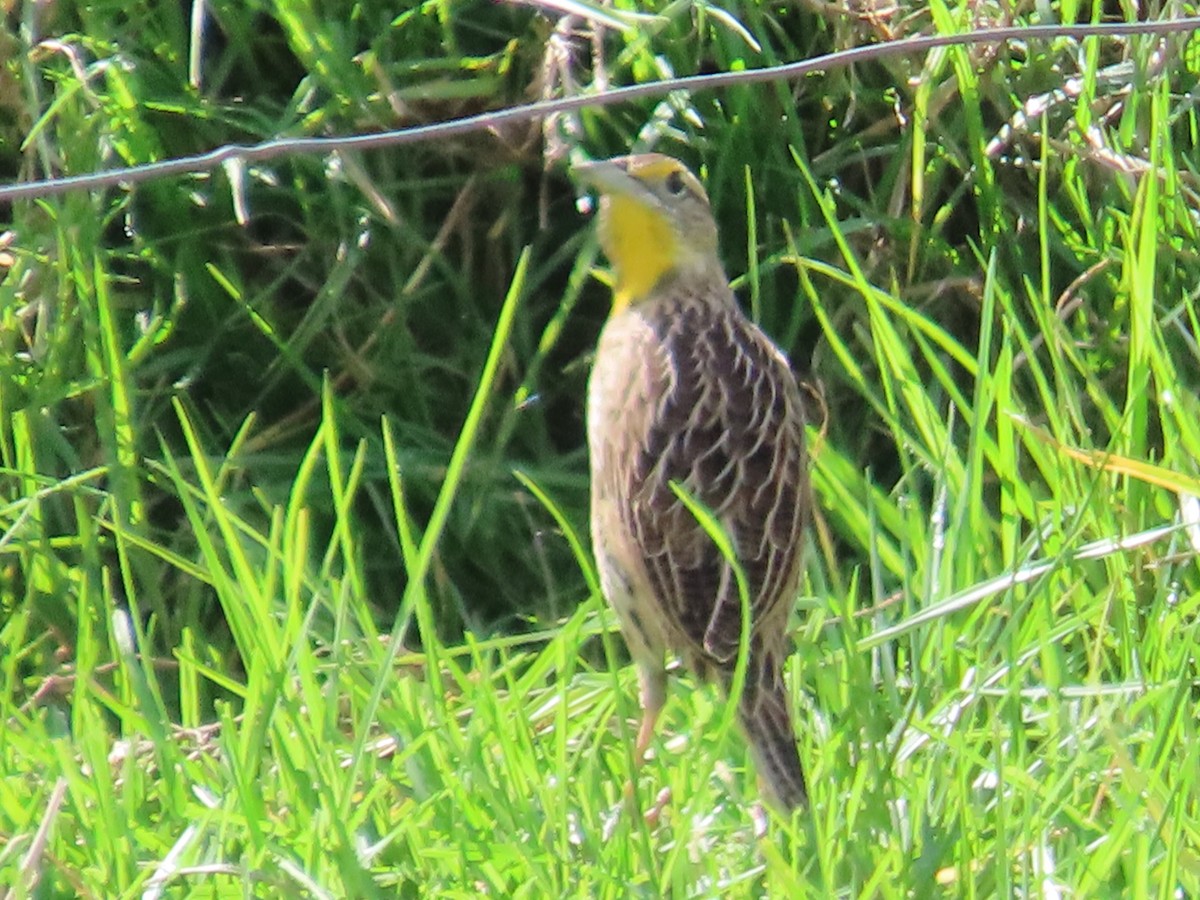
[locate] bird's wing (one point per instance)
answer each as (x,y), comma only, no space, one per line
(728,429)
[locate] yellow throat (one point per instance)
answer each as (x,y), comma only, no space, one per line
(641,245)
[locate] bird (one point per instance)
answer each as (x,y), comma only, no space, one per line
(689,398)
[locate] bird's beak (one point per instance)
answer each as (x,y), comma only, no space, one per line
(610,176)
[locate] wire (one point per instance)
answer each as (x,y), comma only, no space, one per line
(248,153)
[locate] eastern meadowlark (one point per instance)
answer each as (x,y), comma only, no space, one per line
(687,392)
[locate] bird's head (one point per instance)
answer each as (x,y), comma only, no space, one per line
(655,221)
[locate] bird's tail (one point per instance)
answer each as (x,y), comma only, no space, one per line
(766,719)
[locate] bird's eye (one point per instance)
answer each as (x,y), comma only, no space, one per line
(675,184)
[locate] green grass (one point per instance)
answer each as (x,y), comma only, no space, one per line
(295,591)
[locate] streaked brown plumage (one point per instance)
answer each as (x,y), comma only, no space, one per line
(686,389)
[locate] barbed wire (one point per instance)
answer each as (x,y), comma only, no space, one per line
(248,153)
